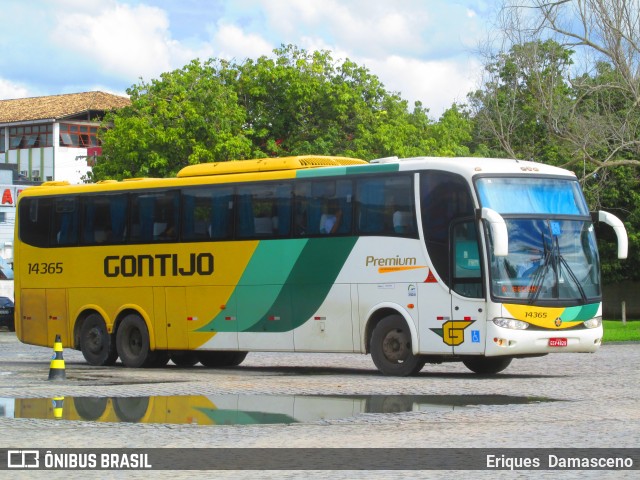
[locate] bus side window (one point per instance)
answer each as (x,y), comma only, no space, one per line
(264,210)
(323,207)
(371,199)
(344,195)
(65,221)
(301,212)
(35,219)
(104,219)
(385,206)
(154,216)
(207,213)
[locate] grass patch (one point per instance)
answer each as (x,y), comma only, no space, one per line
(616,331)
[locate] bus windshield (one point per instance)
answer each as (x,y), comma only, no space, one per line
(531,195)
(552,257)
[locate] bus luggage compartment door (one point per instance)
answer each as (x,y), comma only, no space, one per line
(39,307)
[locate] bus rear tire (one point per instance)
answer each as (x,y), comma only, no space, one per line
(486,365)
(221,359)
(97,345)
(391,349)
(132,342)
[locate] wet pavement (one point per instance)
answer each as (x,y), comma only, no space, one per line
(277,400)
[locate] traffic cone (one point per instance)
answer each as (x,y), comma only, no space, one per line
(58,403)
(56,370)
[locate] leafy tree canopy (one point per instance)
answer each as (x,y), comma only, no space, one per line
(297,103)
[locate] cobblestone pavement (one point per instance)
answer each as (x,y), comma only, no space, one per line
(595,404)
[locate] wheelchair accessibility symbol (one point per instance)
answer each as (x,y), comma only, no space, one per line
(475,336)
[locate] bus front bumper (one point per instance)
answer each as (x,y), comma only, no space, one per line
(505,341)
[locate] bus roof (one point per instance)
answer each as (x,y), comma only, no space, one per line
(306,166)
(471,166)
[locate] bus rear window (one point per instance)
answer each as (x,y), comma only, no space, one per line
(35,220)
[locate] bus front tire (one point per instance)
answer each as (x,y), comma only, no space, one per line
(97,345)
(132,342)
(486,365)
(391,349)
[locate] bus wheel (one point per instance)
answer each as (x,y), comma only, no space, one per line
(486,365)
(391,348)
(221,359)
(132,341)
(184,359)
(98,347)
(131,409)
(90,408)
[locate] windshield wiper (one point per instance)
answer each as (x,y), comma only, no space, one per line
(553,256)
(573,276)
(538,279)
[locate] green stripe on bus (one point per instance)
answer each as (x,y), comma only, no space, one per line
(352,170)
(582,313)
(307,287)
(240,417)
(260,284)
(278,292)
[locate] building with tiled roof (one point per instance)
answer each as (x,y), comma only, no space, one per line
(47,138)
(57,107)
(50,138)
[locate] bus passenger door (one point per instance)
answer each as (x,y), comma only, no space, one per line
(468,304)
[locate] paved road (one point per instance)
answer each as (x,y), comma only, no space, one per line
(572,400)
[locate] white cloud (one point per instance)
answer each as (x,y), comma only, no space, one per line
(415,47)
(128,41)
(10,90)
(232,42)
(365,26)
(437,84)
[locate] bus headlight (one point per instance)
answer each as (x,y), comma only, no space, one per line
(595,322)
(511,323)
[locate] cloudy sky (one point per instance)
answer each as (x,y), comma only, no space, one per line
(423,49)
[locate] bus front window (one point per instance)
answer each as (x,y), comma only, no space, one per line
(552,248)
(548,260)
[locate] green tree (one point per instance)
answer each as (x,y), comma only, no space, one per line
(511,108)
(588,119)
(296,103)
(306,103)
(187,116)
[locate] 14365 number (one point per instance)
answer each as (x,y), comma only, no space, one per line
(45,268)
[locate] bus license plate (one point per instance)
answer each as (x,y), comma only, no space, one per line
(558,342)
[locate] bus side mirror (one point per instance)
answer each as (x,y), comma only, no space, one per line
(499,233)
(618,227)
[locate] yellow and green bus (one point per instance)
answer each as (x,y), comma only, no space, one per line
(415,261)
